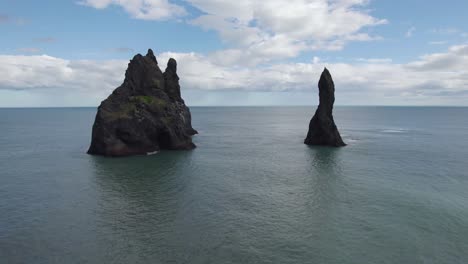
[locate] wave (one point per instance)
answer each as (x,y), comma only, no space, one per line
(394,131)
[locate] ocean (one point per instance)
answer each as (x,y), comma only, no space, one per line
(251,192)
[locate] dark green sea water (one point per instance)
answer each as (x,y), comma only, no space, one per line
(251,192)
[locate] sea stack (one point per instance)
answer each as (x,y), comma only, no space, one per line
(322,128)
(145,114)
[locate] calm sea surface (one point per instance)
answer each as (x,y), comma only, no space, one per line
(251,192)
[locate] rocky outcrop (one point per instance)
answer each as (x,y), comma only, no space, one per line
(145,114)
(172,89)
(322,128)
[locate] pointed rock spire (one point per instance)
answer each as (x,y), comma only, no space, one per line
(151,56)
(172,65)
(143,72)
(172,80)
(322,128)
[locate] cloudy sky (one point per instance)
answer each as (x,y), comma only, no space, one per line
(243,52)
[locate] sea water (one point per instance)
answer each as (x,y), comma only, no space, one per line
(251,192)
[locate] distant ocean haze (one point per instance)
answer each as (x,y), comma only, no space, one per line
(251,192)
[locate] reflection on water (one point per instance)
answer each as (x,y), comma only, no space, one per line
(140,201)
(326,201)
(325,171)
(251,193)
(142,175)
(324,160)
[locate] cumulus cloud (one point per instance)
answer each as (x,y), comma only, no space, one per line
(431,77)
(46,73)
(141,9)
(260,31)
(375,60)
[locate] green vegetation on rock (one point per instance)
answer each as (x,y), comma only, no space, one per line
(150,101)
(127,109)
(125,112)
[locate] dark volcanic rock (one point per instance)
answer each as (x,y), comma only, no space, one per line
(322,128)
(145,114)
(172,89)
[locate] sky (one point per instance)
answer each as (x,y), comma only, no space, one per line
(56,53)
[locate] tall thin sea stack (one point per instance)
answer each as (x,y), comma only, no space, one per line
(322,128)
(145,114)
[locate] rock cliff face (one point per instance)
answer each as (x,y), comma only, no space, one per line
(145,114)
(322,128)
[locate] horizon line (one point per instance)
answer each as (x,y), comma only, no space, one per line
(62,107)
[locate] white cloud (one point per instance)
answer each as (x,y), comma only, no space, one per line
(54,75)
(278,29)
(261,31)
(428,80)
(375,60)
(142,9)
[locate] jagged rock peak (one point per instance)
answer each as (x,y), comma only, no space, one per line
(172,81)
(172,65)
(326,90)
(322,127)
(143,115)
(151,56)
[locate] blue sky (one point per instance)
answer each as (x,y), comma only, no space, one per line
(73,53)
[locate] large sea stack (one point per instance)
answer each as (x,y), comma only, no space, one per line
(322,128)
(145,114)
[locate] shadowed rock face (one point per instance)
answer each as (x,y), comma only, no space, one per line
(145,114)
(322,128)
